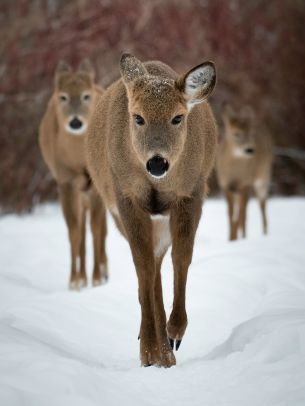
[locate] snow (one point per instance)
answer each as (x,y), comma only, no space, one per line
(245,341)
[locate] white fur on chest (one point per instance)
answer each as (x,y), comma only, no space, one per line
(161,234)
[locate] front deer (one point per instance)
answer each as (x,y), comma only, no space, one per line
(151,148)
(62,136)
(243,164)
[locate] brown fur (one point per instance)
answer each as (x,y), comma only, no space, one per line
(238,172)
(64,154)
(117,152)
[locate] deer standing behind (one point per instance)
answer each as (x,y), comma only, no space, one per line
(62,135)
(150,150)
(243,165)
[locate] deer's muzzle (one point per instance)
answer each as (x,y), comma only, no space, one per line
(157,166)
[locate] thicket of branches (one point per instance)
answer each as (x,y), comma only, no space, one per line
(258,47)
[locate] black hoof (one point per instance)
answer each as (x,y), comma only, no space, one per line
(171,343)
(178,342)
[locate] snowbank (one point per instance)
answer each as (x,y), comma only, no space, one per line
(245,342)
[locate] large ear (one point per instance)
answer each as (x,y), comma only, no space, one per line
(228,113)
(62,67)
(131,68)
(86,67)
(198,83)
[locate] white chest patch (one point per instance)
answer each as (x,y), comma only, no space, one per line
(161,234)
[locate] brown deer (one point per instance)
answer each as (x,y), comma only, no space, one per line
(243,164)
(62,137)
(150,150)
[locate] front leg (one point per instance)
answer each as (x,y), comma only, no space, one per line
(138,229)
(71,202)
(185,217)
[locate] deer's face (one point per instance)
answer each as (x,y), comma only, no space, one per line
(158,116)
(74,99)
(239,130)
(158,110)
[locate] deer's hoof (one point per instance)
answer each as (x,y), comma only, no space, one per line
(99,281)
(174,343)
(82,282)
(73,284)
(176,327)
(100,276)
(149,352)
(167,357)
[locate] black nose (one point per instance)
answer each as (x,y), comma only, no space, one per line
(249,151)
(157,166)
(75,123)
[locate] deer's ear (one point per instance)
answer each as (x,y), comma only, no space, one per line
(87,68)
(62,67)
(228,113)
(198,83)
(131,68)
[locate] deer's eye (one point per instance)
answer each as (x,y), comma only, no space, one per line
(177,119)
(139,119)
(63,98)
(87,97)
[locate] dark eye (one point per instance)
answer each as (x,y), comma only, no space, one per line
(177,120)
(139,120)
(86,97)
(63,98)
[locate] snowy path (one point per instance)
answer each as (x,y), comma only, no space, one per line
(245,342)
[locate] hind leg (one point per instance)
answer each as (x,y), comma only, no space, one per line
(230,202)
(262,204)
(233,212)
(82,273)
(99,231)
(261,191)
(244,198)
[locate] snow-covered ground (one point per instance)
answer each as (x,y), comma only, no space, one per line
(245,342)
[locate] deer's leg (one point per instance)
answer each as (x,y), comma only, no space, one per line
(184,222)
(72,208)
(261,191)
(232,207)
(82,274)
(166,353)
(99,231)
(244,197)
(262,204)
(138,228)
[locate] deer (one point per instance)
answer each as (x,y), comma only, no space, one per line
(150,150)
(243,165)
(62,135)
